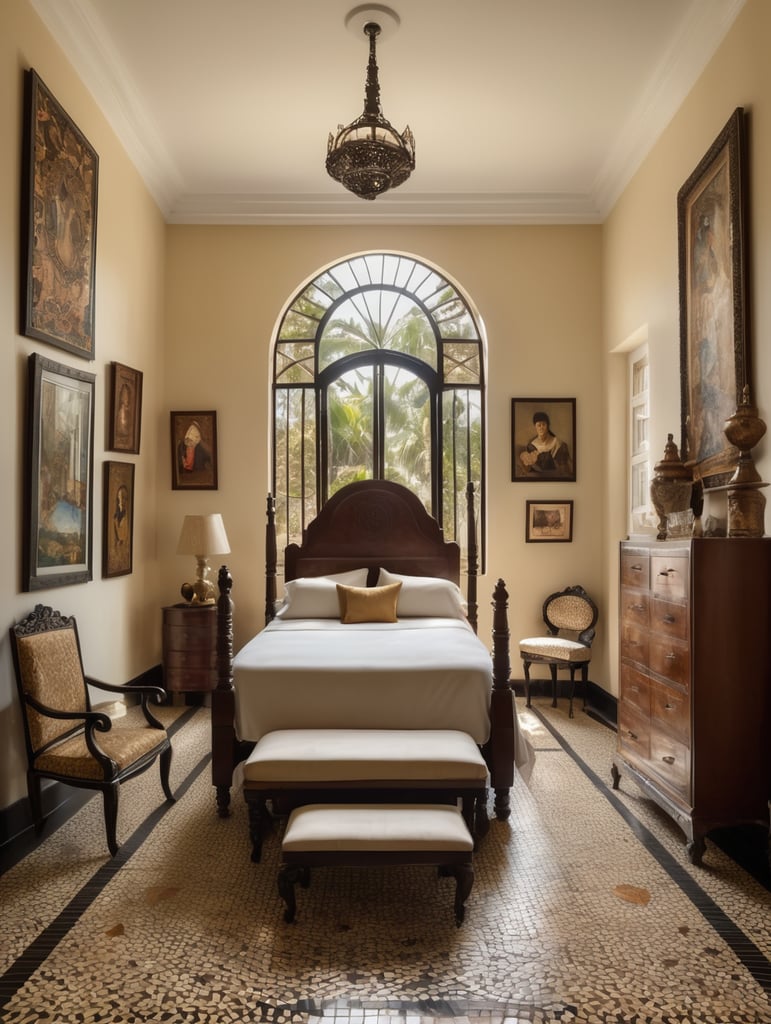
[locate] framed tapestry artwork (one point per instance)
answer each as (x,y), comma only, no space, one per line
(59,485)
(60,179)
(118,531)
(714,352)
(543,439)
(549,521)
(125,409)
(194,451)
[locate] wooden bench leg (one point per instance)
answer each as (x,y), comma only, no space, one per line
(257,822)
(464,880)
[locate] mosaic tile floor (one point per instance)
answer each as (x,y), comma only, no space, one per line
(584,909)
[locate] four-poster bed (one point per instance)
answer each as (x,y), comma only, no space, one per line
(371,530)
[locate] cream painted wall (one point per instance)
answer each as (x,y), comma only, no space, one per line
(640,274)
(118,619)
(538,293)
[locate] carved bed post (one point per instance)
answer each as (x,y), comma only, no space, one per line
(501,706)
(270,561)
(223,734)
(473,556)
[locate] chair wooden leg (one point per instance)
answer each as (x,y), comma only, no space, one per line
(553,670)
(110,794)
(165,761)
(526,666)
(572,690)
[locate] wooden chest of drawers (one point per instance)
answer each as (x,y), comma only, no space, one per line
(190,648)
(694,714)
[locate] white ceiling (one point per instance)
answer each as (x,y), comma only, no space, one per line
(523,111)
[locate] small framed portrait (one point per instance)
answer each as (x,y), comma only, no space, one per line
(194,451)
(549,521)
(118,532)
(125,409)
(543,439)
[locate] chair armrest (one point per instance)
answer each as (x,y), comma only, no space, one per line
(156,694)
(91,719)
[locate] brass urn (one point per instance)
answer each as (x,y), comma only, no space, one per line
(671,486)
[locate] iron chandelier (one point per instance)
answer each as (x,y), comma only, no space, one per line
(368,156)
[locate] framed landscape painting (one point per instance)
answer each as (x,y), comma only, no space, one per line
(61,171)
(59,484)
(549,521)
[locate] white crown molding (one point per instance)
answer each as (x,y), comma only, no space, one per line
(78,30)
(393,208)
(702,30)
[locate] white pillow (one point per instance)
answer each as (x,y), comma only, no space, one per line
(315,597)
(426,596)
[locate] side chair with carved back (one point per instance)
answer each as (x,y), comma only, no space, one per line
(570,616)
(68,741)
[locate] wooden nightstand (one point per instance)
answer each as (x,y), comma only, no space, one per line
(190,648)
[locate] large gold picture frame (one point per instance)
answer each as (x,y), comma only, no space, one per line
(714,345)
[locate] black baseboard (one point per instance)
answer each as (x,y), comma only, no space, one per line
(600,704)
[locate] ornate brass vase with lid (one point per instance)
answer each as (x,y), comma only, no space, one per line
(670,487)
(746,505)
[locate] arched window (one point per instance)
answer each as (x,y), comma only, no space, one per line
(378,373)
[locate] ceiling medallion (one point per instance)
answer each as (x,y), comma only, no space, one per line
(368,156)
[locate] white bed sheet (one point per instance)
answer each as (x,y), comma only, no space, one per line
(320,674)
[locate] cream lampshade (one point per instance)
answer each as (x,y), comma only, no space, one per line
(202,536)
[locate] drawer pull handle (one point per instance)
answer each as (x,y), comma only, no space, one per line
(668,572)
(668,759)
(632,735)
(669,707)
(670,657)
(669,619)
(636,607)
(636,568)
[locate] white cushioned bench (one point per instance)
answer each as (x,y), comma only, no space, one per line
(335,765)
(366,834)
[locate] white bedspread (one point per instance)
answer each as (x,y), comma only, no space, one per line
(319,674)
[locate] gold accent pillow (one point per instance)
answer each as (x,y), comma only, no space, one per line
(368,604)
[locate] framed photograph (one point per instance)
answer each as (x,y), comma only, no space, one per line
(61,171)
(125,409)
(60,469)
(543,439)
(194,451)
(714,351)
(118,532)
(549,521)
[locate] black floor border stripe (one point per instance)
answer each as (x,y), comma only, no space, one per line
(758,965)
(41,947)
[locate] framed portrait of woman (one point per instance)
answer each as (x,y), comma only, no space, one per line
(194,451)
(543,439)
(118,529)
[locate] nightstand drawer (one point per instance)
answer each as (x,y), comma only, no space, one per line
(672,762)
(634,644)
(190,648)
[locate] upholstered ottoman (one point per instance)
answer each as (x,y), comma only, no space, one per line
(364,765)
(375,834)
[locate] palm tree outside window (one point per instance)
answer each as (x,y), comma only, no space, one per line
(378,373)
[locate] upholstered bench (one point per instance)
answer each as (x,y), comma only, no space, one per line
(375,834)
(297,766)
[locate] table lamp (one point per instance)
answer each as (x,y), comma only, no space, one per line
(202,536)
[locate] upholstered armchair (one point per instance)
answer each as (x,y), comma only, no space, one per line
(66,740)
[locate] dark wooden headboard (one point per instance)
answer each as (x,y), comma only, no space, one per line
(373,524)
